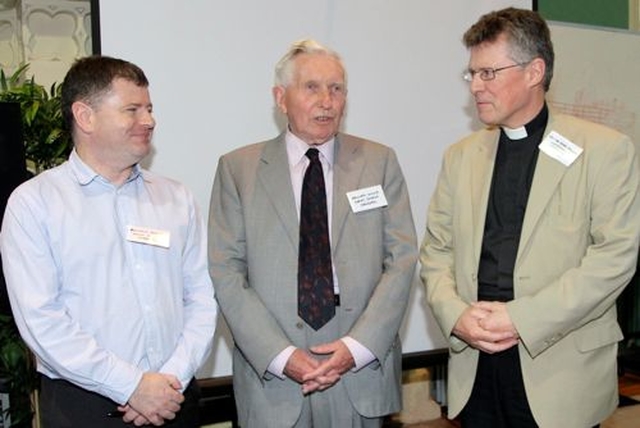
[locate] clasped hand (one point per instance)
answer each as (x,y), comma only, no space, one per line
(316,374)
(487,326)
(157,398)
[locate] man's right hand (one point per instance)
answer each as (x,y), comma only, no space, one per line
(156,398)
(468,329)
(299,364)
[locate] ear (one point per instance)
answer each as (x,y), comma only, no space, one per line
(278,96)
(536,70)
(83,115)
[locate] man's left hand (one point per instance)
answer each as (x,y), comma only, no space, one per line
(330,370)
(130,415)
(498,319)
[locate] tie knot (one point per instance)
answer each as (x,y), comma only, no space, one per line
(313,154)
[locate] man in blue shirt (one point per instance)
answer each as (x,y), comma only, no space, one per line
(106,265)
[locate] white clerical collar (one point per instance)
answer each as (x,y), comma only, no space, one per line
(516,133)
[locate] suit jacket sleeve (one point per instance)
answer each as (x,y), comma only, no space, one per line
(254,329)
(378,324)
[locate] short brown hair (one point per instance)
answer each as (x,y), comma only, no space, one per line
(91,77)
(527,34)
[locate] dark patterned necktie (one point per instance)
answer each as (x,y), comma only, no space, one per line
(316,304)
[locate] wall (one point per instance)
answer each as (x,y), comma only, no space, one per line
(595,76)
(47,34)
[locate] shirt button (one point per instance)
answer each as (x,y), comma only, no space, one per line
(299,325)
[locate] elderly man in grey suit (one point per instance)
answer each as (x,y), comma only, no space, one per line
(532,234)
(305,357)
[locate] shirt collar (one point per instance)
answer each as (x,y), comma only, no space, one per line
(297,149)
(537,123)
(85,174)
(515,133)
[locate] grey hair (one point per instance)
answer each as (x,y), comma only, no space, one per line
(285,68)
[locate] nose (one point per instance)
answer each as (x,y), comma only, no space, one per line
(476,84)
(148,120)
(325,97)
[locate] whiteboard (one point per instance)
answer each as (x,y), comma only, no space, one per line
(596,75)
(210,64)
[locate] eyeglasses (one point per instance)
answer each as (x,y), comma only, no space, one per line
(487,73)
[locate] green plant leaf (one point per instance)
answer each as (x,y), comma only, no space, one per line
(46,142)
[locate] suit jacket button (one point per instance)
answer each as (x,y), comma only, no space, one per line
(299,325)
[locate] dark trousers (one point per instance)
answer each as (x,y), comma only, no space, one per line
(498,399)
(64,405)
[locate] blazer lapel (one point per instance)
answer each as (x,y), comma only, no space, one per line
(546,178)
(347,171)
(275,177)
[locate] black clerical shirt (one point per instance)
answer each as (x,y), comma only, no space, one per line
(512,176)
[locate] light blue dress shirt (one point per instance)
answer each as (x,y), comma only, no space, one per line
(97,308)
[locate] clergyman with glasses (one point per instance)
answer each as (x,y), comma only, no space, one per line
(532,234)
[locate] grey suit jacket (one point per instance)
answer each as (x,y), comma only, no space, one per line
(253,252)
(577,251)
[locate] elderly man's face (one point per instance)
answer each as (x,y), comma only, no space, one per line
(314,101)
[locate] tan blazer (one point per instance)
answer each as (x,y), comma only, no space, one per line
(577,251)
(253,255)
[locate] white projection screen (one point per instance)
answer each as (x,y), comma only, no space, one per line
(210,64)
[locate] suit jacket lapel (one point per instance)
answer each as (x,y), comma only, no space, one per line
(546,178)
(347,171)
(275,177)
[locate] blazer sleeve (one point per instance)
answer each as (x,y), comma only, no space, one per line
(587,288)
(255,331)
(437,254)
(378,324)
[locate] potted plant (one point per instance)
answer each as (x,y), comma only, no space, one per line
(17,373)
(46,144)
(45,141)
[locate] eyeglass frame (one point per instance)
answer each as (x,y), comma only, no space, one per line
(487,73)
